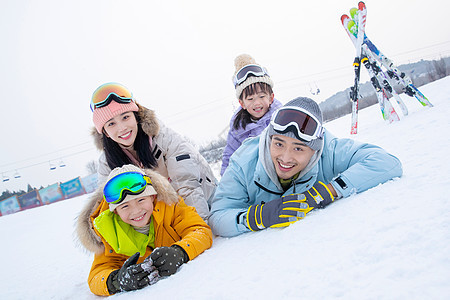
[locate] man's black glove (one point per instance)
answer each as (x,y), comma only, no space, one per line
(167,260)
(318,196)
(289,209)
(132,276)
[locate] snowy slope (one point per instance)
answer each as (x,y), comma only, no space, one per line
(391,242)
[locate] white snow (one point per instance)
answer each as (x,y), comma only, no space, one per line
(390,242)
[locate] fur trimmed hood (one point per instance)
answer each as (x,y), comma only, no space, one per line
(149,124)
(177,159)
(85,232)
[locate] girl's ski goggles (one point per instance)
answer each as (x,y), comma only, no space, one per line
(128,183)
(246,71)
(108,92)
(299,121)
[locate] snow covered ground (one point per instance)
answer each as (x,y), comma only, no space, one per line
(391,242)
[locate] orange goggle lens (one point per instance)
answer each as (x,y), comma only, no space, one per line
(105,92)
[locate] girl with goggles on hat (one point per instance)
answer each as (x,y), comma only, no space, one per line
(257,103)
(139,230)
(294,166)
(129,133)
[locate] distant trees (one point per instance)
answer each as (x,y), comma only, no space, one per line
(438,69)
(6,194)
(213,151)
(92,167)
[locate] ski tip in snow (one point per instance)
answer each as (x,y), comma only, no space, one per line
(361,5)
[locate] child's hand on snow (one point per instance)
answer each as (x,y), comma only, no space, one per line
(168,259)
(132,276)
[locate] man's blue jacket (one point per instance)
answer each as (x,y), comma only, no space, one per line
(350,166)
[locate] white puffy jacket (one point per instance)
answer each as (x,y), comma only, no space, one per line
(178,160)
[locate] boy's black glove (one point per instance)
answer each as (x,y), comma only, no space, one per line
(132,276)
(289,209)
(167,260)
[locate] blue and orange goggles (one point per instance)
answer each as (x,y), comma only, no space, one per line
(248,70)
(108,92)
(127,183)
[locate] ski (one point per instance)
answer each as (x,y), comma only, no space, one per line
(354,95)
(354,92)
(354,89)
(387,110)
(393,72)
(383,78)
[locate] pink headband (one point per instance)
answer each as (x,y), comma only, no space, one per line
(102,115)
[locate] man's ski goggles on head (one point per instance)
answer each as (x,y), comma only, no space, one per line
(108,92)
(299,121)
(248,70)
(128,183)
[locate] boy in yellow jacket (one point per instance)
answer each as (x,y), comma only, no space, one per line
(140,230)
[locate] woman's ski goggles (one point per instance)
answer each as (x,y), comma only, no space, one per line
(246,71)
(299,121)
(128,183)
(107,92)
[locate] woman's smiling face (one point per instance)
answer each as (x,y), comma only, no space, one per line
(122,129)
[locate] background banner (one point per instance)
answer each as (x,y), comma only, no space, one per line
(90,183)
(9,205)
(72,188)
(51,194)
(29,200)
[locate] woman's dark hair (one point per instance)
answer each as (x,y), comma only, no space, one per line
(243,117)
(115,157)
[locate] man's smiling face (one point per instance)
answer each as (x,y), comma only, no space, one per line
(289,155)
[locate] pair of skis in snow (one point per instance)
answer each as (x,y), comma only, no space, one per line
(373,60)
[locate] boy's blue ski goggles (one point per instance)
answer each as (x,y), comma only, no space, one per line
(128,183)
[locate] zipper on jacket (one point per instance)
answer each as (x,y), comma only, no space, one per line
(294,183)
(267,190)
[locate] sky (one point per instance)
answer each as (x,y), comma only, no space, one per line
(177,57)
(390,242)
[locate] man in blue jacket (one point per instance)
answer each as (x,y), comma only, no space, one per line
(293,167)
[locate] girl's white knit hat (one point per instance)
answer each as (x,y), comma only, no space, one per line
(241,61)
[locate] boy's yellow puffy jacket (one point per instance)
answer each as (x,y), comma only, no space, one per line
(174,222)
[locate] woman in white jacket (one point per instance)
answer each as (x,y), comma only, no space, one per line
(129,133)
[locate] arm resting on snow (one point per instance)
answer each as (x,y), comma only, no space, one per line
(100,272)
(227,207)
(358,166)
(196,235)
